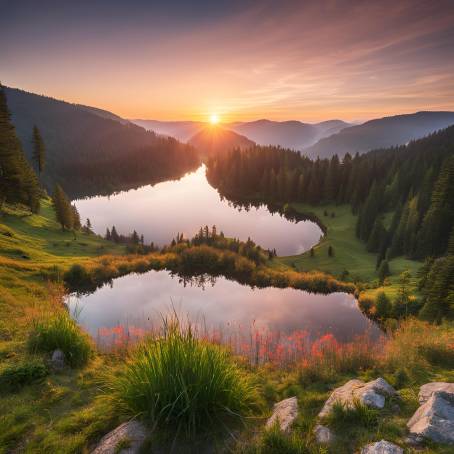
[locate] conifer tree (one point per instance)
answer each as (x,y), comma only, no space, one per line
(114,235)
(62,207)
(18,182)
(76,225)
(39,151)
(383,271)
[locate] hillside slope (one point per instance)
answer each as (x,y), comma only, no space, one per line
(90,151)
(380,133)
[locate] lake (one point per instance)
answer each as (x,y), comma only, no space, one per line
(161,211)
(138,300)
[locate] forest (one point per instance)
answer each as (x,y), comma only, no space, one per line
(404,198)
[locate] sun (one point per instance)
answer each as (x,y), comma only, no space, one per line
(214,119)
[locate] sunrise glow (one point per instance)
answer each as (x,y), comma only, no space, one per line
(214,119)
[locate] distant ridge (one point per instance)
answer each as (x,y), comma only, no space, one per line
(380,133)
(287,134)
(215,139)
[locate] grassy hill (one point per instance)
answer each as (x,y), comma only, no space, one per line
(350,253)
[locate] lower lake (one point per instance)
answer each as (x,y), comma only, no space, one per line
(139,301)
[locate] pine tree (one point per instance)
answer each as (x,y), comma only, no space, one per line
(63,208)
(39,151)
(114,235)
(383,271)
(382,306)
(377,236)
(18,181)
(108,235)
(439,220)
(76,225)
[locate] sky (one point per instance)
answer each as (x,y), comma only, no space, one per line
(243,60)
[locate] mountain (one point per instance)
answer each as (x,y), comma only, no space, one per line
(380,133)
(90,151)
(181,130)
(287,134)
(215,140)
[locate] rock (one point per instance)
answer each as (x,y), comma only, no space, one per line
(125,439)
(413,440)
(426,391)
(372,394)
(323,435)
(382,447)
(435,418)
(285,412)
(58,359)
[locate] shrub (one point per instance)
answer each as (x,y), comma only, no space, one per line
(60,331)
(77,277)
(14,377)
(182,382)
(383,306)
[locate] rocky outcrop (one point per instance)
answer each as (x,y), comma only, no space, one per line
(372,394)
(382,447)
(284,413)
(125,439)
(434,419)
(426,391)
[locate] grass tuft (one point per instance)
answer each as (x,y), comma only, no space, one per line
(343,417)
(60,331)
(179,381)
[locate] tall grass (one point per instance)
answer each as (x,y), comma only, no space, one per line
(419,346)
(328,358)
(182,382)
(54,331)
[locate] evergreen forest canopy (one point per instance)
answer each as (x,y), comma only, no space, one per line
(404,198)
(89,152)
(18,181)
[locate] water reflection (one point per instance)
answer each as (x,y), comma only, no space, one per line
(163,210)
(140,300)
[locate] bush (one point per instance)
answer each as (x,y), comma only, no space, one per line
(14,377)
(182,382)
(60,331)
(77,277)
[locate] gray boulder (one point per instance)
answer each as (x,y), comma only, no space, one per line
(284,412)
(371,394)
(323,434)
(434,419)
(57,360)
(125,439)
(382,447)
(426,391)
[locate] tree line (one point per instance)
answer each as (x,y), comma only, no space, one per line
(403,196)
(18,181)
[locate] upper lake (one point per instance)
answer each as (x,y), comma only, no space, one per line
(161,211)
